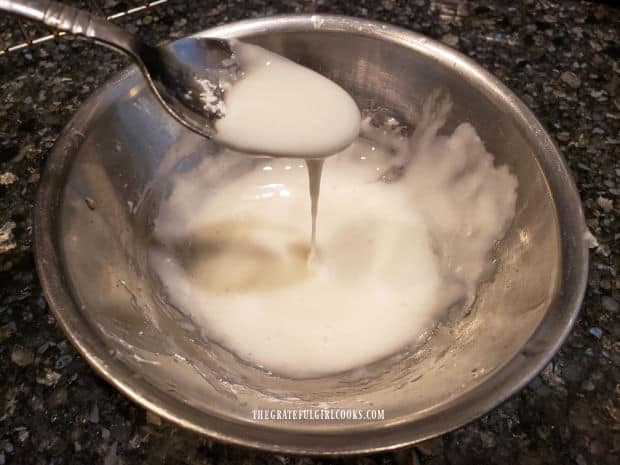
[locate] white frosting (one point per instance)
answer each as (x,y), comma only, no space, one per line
(280,108)
(392,256)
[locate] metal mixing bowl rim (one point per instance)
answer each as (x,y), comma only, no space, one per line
(502,383)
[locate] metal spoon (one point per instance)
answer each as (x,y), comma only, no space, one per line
(186,76)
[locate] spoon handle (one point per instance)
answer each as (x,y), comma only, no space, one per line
(74,21)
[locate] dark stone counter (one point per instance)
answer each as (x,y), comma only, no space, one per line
(561,57)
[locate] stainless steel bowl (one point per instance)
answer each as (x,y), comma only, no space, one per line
(111,168)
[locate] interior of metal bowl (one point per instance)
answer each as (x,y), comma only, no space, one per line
(111,169)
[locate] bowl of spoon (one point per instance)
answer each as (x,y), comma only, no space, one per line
(450,264)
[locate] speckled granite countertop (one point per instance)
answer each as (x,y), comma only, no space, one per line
(561,57)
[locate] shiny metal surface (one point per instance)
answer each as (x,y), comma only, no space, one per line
(110,169)
(31,42)
(173,71)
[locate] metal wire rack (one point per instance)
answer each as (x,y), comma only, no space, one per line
(29,40)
